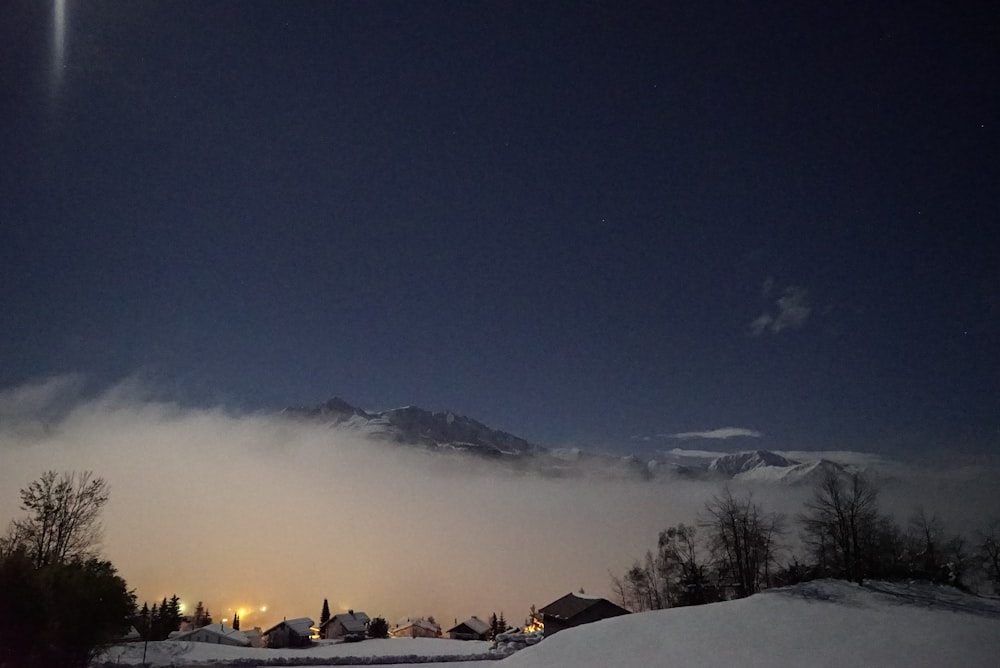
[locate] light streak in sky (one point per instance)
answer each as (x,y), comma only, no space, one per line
(58,44)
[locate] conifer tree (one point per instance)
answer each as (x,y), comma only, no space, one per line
(494,626)
(324,616)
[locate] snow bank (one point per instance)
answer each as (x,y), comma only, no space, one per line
(404,650)
(515,640)
(825,623)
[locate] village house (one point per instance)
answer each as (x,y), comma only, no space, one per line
(348,625)
(417,628)
(216,634)
(576,609)
(472,628)
(289,633)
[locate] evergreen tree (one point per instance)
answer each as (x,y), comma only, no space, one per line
(154,623)
(62,613)
(142,620)
(494,625)
(236,622)
(173,616)
(378,628)
(324,616)
(202,617)
(502,624)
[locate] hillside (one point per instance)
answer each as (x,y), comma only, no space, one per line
(824,623)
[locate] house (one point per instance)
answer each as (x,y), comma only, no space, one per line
(576,609)
(472,628)
(348,625)
(289,633)
(217,634)
(417,628)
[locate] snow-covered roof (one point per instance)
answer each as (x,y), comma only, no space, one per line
(353,622)
(420,622)
(301,626)
(474,624)
(215,629)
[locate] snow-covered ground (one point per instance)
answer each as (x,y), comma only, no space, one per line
(817,624)
(186,653)
(824,623)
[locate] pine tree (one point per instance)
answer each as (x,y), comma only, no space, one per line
(501,624)
(154,623)
(324,616)
(236,622)
(172,621)
(494,626)
(143,620)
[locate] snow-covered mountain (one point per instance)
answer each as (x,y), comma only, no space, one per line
(806,473)
(741,462)
(446,432)
(416,426)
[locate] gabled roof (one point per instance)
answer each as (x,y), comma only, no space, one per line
(301,626)
(215,629)
(474,624)
(352,622)
(571,605)
(420,622)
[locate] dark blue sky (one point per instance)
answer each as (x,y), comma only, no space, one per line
(579,222)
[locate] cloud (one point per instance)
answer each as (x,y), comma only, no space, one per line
(38,397)
(725,432)
(791,311)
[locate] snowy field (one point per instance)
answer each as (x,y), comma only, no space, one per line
(824,623)
(186,653)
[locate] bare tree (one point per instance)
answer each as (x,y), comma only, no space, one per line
(63,521)
(989,552)
(743,540)
(683,566)
(840,525)
(926,534)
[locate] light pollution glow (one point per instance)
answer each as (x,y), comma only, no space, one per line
(270,516)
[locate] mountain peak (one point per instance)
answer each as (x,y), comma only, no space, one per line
(741,462)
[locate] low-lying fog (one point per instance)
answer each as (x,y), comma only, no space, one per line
(254,511)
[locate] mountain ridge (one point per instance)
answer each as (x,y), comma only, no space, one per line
(448,432)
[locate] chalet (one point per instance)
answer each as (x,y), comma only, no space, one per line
(576,609)
(216,634)
(417,628)
(348,625)
(472,628)
(289,633)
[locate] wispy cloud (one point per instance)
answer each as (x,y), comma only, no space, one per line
(790,311)
(724,432)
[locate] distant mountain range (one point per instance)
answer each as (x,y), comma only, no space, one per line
(446,432)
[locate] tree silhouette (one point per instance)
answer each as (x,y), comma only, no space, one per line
(378,628)
(63,521)
(324,616)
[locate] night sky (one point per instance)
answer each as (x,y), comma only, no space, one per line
(583,223)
